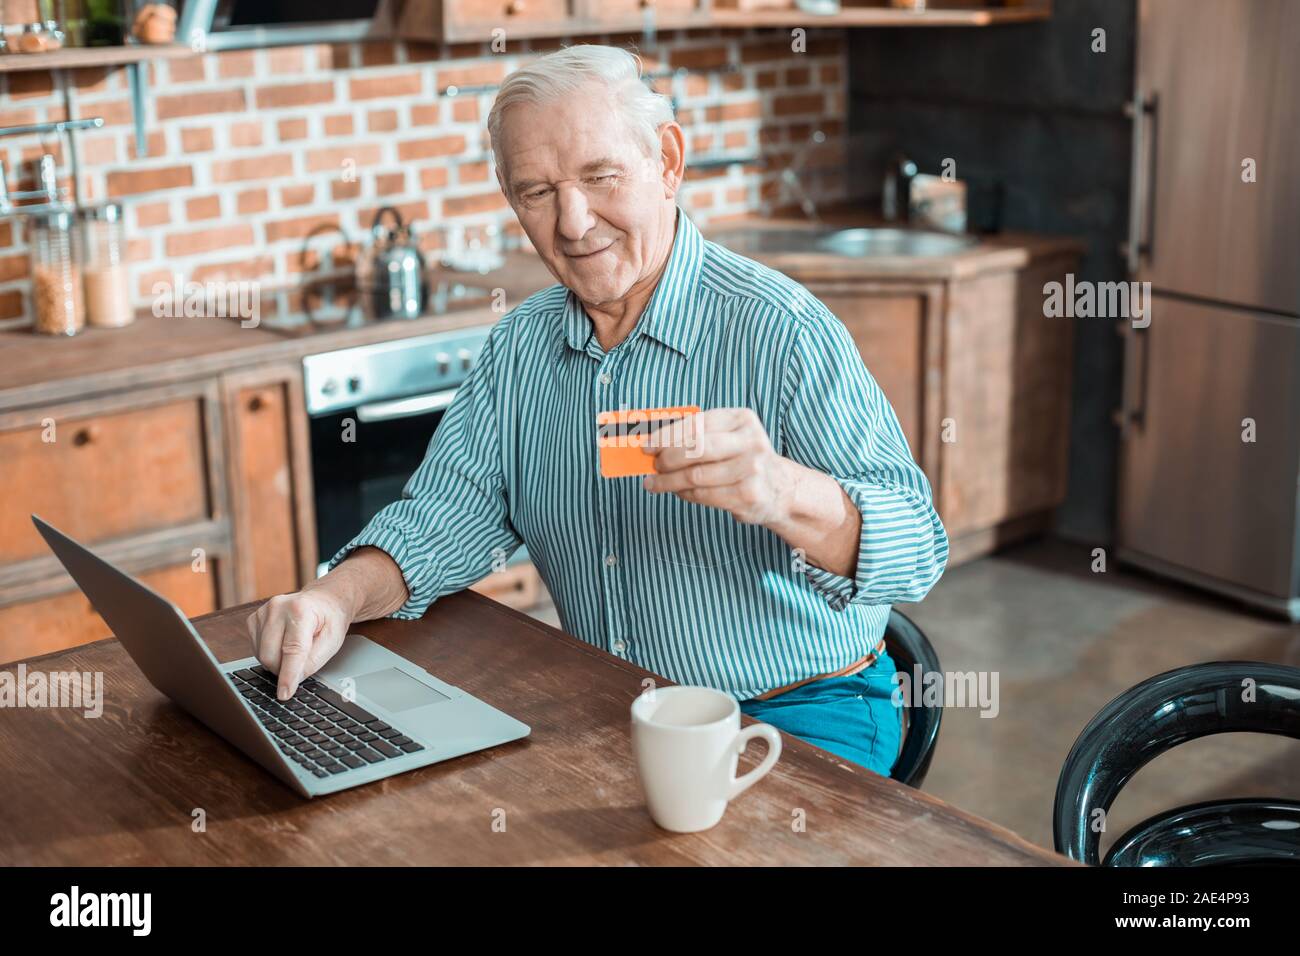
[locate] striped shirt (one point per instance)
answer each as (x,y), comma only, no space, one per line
(683,590)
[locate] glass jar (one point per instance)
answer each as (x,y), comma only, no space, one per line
(52,244)
(104,271)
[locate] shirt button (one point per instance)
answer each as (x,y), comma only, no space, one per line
(611,560)
(604,378)
(619,647)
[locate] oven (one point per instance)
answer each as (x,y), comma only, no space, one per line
(373,409)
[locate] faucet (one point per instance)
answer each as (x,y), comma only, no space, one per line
(896,191)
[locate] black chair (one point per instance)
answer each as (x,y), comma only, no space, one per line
(908,646)
(1158,715)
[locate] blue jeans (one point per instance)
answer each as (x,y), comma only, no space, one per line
(853,717)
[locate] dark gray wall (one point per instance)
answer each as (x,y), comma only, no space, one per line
(1035,122)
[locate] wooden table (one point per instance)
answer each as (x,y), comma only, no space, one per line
(123,788)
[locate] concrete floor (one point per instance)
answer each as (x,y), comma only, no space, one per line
(1064,642)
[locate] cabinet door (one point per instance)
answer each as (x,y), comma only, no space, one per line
(270,482)
(66,619)
(889,331)
(103,469)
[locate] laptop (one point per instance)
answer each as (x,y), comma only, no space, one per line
(366,715)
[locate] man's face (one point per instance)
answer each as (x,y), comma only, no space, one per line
(592,203)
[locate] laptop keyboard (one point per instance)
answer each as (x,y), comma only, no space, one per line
(318,728)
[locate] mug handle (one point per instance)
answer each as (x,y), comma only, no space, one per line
(773,737)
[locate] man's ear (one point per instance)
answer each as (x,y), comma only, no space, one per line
(672,149)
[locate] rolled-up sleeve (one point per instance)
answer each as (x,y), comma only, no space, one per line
(452,521)
(838,421)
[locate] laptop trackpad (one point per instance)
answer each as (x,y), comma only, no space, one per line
(396,690)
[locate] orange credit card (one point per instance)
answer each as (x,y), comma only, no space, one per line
(621,438)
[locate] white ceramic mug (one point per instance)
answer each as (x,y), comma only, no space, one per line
(687,741)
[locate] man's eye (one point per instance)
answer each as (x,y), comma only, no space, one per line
(535,194)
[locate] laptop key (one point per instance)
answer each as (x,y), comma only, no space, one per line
(368,736)
(348,707)
(386,749)
(369,756)
(411,747)
(336,767)
(352,760)
(378,726)
(353,744)
(398,741)
(390,732)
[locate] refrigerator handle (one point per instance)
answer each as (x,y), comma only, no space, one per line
(1133,397)
(1141,206)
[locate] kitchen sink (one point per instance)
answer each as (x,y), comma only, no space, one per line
(851,243)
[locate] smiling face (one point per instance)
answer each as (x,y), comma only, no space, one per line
(598,211)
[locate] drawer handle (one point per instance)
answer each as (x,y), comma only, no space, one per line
(256,403)
(84,436)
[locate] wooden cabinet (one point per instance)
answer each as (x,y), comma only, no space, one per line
(980,381)
(517,586)
(475,20)
(201,488)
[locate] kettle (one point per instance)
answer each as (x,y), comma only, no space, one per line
(391,274)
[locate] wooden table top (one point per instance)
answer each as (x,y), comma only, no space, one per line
(121,789)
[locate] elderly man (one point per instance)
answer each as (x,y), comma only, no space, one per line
(762,556)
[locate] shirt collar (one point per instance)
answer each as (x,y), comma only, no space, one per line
(671,316)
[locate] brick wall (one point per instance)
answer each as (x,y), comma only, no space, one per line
(250,150)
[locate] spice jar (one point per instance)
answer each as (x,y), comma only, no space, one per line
(104,270)
(56,275)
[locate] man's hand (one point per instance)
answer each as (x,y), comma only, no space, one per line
(723,458)
(295,634)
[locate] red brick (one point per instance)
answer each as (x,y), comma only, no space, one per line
(131,182)
(300,195)
(24,83)
(426,114)
(6,234)
(190,69)
(152,213)
(155,144)
(294,94)
(11,305)
(433,177)
(390,184)
(200,104)
(342,189)
(13,267)
(240,270)
(298,228)
(91,79)
(247,133)
(370,88)
(289,59)
(765,51)
(798,104)
(252,200)
(99,150)
(334,158)
(700,58)
(378,54)
(340,125)
(413,211)
(197,140)
(478,202)
(254,167)
(381,121)
(428,148)
(292,129)
(209,239)
(491,72)
(113,112)
(464,109)
(236,64)
(18,117)
(203,207)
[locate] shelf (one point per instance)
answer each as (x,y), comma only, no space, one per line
(73,57)
(883,17)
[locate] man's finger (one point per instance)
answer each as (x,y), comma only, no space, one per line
(269,635)
(299,635)
(715,446)
(698,475)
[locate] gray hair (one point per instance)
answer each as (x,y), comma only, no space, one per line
(566,71)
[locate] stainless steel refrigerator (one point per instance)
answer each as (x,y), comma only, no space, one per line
(1217,105)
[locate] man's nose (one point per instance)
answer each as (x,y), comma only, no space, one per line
(576,219)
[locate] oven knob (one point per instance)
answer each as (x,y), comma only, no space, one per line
(444,362)
(329,386)
(466,359)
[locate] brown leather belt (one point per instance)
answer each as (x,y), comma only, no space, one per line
(842,672)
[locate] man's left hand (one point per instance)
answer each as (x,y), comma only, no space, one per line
(723,458)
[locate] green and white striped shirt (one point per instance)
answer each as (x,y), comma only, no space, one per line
(683,590)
